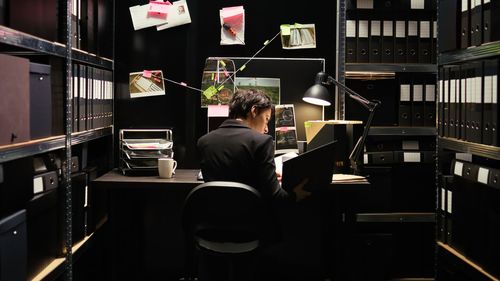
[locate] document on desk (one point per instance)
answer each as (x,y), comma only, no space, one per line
(347,178)
(278,161)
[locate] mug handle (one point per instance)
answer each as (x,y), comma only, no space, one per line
(175,166)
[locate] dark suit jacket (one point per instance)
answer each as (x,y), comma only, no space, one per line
(235,152)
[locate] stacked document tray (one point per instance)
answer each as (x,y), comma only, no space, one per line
(140,149)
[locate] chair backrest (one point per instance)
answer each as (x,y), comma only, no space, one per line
(223,212)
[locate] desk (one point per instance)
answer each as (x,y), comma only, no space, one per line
(147,240)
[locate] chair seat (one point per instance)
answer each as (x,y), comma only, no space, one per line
(228,247)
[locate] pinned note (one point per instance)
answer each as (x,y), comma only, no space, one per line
(220,110)
(158,9)
(285,29)
(147,73)
(210,92)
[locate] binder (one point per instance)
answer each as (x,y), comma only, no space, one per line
(441,213)
(386,5)
(469,99)
(350,41)
(363,41)
(463,103)
(74,94)
(477,102)
(412,48)
(487,21)
(400,44)
(40,101)
(490,74)
(495,139)
(440,106)
(434,43)
(430,103)
(375,55)
(476,22)
(78,185)
(464,24)
(405,115)
(417,103)
(13,241)
(82,98)
(15,105)
(446,100)
(388,41)
(448,15)
(89,25)
(425,42)
(452,103)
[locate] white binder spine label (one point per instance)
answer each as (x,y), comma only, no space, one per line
(449,200)
(430,92)
(462,90)
(37,185)
(400,29)
(459,167)
(443,199)
(86,200)
(464,5)
(388,28)
(405,93)
(350,28)
(418,93)
(425,29)
(410,145)
(417,4)
(483,174)
(364,4)
(411,157)
(412,28)
(375,28)
(363,29)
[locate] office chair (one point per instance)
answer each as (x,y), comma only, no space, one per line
(222,222)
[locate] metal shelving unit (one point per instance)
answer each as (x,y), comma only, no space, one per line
(12,152)
(472,53)
(396,217)
(390,67)
(487,151)
(402,131)
(38,45)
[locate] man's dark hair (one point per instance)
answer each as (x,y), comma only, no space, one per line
(244,99)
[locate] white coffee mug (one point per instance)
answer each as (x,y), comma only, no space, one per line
(166,167)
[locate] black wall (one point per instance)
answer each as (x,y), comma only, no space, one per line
(181,52)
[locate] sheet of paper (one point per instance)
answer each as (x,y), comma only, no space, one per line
(278,161)
(232,22)
(178,14)
(140,17)
(218,110)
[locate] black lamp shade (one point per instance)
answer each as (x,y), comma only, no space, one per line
(318,95)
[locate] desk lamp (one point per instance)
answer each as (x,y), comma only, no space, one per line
(318,94)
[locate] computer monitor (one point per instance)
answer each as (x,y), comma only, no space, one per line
(316,165)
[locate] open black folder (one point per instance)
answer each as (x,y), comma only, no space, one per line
(316,164)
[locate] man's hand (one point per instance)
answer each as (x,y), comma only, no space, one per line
(299,191)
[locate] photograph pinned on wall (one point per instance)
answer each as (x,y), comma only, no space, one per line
(232,22)
(217,82)
(270,86)
(285,130)
(298,36)
(141,86)
(178,14)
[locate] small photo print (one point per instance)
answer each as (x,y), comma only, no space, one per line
(140,86)
(285,116)
(270,86)
(286,139)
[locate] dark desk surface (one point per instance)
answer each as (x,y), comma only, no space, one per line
(181,177)
(189,177)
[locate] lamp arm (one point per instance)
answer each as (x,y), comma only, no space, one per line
(357,151)
(370,105)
